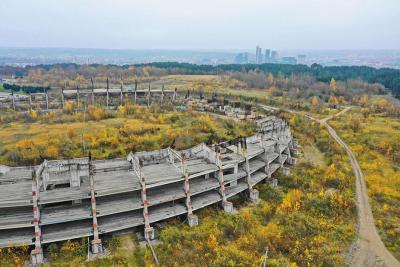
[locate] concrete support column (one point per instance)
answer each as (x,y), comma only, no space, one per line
(30,101)
(77,98)
(47,99)
(228,206)
(91,80)
(253,193)
(108,99)
(291,160)
(13,100)
(262,140)
(287,150)
(278,150)
(135,91)
(268,170)
(193,220)
(171,157)
(162,94)
(148,95)
(37,252)
(148,230)
(62,98)
(122,96)
(286,171)
(107,93)
(236,168)
(96,242)
(174,97)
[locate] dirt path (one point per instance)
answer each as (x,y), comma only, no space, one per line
(368,250)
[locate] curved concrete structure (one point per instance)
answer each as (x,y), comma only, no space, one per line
(107,97)
(86,198)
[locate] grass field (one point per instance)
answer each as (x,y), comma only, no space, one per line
(209,84)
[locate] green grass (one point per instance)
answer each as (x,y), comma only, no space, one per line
(2,90)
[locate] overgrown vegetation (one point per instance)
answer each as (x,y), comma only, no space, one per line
(374,136)
(307,221)
(29,138)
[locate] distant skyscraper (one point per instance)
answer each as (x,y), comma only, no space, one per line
(258,55)
(267,56)
(274,55)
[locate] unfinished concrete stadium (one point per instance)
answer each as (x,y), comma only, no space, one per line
(107,97)
(67,199)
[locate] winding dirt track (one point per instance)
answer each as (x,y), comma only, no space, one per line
(368,249)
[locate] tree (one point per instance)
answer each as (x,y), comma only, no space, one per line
(363,101)
(51,152)
(315,101)
(333,85)
(333,100)
(122,110)
(96,113)
(33,114)
(69,107)
(382,105)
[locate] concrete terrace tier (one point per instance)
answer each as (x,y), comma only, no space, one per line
(59,199)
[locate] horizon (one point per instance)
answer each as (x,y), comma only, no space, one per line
(228,50)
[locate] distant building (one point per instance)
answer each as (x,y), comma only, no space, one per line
(289,60)
(274,56)
(242,58)
(258,55)
(267,56)
(301,59)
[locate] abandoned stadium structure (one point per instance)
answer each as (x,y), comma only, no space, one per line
(107,97)
(86,198)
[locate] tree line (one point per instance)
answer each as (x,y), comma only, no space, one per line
(26,88)
(388,77)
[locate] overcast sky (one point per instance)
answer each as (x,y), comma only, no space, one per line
(201,24)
